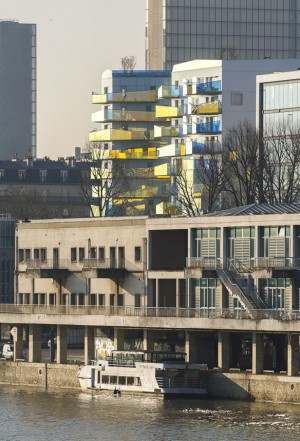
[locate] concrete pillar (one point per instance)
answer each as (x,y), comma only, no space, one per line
(223,351)
(293,355)
(61,344)
(18,345)
(177,294)
(35,344)
(89,344)
(187,346)
(119,339)
(156,293)
(257,353)
(145,339)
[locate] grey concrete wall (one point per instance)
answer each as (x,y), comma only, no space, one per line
(41,375)
(243,386)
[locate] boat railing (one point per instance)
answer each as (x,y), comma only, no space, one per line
(121,363)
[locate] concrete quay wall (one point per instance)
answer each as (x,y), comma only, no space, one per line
(40,375)
(249,387)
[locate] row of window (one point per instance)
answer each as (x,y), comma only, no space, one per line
(78,254)
(42,175)
(78,299)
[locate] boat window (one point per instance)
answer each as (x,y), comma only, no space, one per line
(99,377)
(122,380)
(113,380)
(130,381)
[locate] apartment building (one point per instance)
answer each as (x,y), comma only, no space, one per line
(168,282)
(208,97)
(124,139)
(184,30)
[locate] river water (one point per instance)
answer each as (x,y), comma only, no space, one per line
(28,414)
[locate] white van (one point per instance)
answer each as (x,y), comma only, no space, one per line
(7,352)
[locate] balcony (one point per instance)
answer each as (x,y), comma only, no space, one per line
(169,111)
(209,128)
(209,88)
(160,132)
(49,268)
(139,153)
(111,115)
(110,268)
(168,92)
(133,134)
(213,108)
(273,264)
(146,96)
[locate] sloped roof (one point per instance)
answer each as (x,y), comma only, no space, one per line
(257,209)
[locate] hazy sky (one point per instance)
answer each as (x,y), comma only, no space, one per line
(76,41)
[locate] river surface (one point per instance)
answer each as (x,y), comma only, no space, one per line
(28,414)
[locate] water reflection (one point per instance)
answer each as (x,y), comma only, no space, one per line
(27,414)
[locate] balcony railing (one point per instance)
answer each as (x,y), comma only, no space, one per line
(110,263)
(276,263)
(131,311)
(170,112)
(210,127)
(209,88)
(142,96)
(150,153)
(51,264)
(111,115)
(207,108)
(121,135)
(160,132)
(169,91)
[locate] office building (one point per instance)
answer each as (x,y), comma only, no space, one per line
(7,258)
(17,90)
(183,30)
(222,287)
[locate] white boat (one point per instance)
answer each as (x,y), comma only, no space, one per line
(143,372)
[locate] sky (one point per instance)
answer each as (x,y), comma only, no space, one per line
(77,40)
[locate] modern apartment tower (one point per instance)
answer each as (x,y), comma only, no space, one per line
(184,30)
(17,89)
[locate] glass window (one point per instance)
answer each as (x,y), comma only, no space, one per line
(81,254)
(137,300)
(137,254)
(101,253)
(73,254)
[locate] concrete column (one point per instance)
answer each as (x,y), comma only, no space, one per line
(61,344)
(177,294)
(293,355)
(187,346)
(119,339)
(89,344)
(18,345)
(35,343)
(257,353)
(223,351)
(145,339)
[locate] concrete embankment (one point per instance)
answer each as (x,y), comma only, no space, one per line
(235,386)
(41,375)
(248,387)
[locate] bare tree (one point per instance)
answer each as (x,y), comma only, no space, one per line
(188,199)
(281,163)
(128,62)
(241,165)
(104,189)
(210,172)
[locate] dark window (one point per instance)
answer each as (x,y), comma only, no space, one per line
(137,300)
(101,299)
(73,299)
(101,253)
(51,299)
(43,254)
(120,300)
(21,255)
(137,253)
(93,252)
(93,299)
(73,254)
(36,253)
(27,254)
(81,254)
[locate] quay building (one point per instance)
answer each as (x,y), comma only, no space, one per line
(221,287)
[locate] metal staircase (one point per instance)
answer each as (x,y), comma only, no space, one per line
(238,285)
